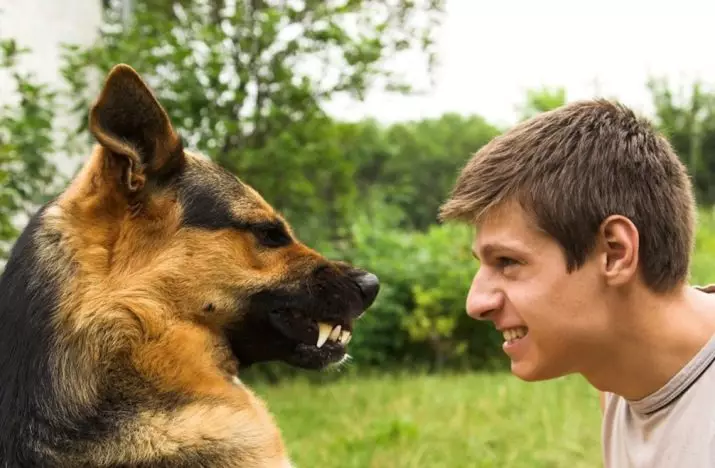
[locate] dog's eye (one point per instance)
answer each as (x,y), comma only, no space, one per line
(271,235)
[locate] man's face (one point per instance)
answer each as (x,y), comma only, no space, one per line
(550,318)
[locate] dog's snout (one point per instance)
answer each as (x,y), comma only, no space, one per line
(369,286)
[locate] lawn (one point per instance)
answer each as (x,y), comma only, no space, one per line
(467,420)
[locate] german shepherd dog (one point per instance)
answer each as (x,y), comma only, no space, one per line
(129,302)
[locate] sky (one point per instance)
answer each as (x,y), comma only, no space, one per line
(491,52)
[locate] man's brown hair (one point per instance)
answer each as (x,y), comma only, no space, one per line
(572,167)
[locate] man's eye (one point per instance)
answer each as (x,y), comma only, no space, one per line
(271,235)
(504,262)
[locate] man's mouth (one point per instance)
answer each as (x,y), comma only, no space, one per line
(512,335)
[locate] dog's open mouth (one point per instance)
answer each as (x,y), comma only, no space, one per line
(323,340)
(310,331)
(308,327)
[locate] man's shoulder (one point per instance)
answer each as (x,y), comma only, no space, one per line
(708,288)
(674,425)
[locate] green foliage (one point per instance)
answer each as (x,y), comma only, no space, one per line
(542,100)
(246,81)
(237,90)
(428,155)
(445,267)
(26,142)
(703,264)
(419,317)
(688,120)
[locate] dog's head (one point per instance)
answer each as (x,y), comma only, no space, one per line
(205,244)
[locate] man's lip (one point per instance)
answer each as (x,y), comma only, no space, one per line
(501,328)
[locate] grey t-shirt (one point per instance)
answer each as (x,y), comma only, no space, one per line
(672,427)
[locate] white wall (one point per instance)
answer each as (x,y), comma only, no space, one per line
(42,25)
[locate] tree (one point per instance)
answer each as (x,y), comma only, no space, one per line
(428,156)
(246,81)
(541,100)
(27,176)
(688,120)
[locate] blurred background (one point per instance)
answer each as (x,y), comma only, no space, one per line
(353,117)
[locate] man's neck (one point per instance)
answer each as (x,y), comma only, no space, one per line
(652,338)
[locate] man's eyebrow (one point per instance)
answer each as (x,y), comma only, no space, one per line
(489,249)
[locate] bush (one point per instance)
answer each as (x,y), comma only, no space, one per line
(419,317)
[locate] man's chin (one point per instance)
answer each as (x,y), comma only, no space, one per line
(529,372)
(527,377)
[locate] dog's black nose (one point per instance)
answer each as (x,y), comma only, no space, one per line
(370,286)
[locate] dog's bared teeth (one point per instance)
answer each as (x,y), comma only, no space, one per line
(335,333)
(345,337)
(324,330)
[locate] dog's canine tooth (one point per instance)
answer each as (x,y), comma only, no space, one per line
(324,330)
(335,333)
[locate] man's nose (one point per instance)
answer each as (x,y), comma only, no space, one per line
(483,299)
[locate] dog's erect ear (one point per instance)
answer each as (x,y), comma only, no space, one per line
(129,122)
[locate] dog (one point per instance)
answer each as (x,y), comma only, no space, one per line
(129,302)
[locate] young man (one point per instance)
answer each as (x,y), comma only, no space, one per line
(584,223)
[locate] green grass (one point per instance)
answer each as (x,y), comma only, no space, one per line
(469,420)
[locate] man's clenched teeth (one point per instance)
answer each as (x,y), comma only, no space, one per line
(333,333)
(513,334)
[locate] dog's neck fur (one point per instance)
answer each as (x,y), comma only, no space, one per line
(65,272)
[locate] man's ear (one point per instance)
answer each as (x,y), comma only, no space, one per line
(620,242)
(128,121)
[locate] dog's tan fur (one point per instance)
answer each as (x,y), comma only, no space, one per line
(143,301)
